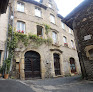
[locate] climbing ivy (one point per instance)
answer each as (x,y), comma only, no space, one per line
(47,28)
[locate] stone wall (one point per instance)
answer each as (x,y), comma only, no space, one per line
(83,29)
(31,21)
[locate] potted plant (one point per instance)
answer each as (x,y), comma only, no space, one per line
(7,67)
(1,71)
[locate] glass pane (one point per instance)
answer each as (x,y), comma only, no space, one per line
(38,12)
(65,39)
(22,8)
(18,6)
(54,35)
(52,18)
(18,26)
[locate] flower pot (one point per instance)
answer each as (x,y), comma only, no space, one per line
(6,76)
(0,75)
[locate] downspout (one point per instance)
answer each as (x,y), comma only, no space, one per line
(5,53)
(12,35)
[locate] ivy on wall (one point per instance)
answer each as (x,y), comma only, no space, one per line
(15,37)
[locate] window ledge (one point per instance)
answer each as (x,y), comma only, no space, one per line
(57,45)
(39,17)
(21,12)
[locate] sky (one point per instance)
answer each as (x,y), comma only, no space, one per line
(66,6)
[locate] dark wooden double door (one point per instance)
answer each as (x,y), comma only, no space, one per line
(57,64)
(32,65)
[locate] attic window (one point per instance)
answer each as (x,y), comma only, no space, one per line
(20,7)
(49,5)
(39,31)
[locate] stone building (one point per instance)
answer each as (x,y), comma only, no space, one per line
(81,20)
(58,59)
(3,27)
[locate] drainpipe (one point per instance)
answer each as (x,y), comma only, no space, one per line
(12,34)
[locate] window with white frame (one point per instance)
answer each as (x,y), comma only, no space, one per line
(38,12)
(64,39)
(63,25)
(20,7)
(49,5)
(52,18)
(20,27)
(70,31)
(54,36)
(72,43)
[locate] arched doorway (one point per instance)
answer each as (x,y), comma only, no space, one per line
(72,65)
(32,65)
(56,64)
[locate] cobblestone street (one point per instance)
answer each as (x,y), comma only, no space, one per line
(67,84)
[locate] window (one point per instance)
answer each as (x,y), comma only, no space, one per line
(54,36)
(0,56)
(37,12)
(41,1)
(39,31)
(63,25)
(70,31)
(64,39)
(72,43)
(52,18)
(49,5)
(20,7)
(21,27)
(49,0)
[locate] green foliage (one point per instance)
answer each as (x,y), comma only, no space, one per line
(47,27)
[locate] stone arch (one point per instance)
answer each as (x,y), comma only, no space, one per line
(32,64)
(72,65)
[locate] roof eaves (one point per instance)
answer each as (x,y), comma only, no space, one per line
(35,3)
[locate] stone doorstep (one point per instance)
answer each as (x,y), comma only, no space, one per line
(58,76)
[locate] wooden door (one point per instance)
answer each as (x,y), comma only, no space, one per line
(57,64)
(32,65)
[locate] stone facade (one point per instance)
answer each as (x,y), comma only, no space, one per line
(82,26)
(3,34)
(47,68)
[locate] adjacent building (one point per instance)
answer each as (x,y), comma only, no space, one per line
(58,59)
(81,20)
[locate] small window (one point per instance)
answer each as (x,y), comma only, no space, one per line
(0,56)
(49,5)
(64,39)
(50,0)
(63,25)
(72,43)
(54,36)
(20,27)
(70,31)
(20,7)
(37,12)
(39,31)
(52,18)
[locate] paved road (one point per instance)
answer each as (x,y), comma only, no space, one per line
(13,86)
(67,84)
